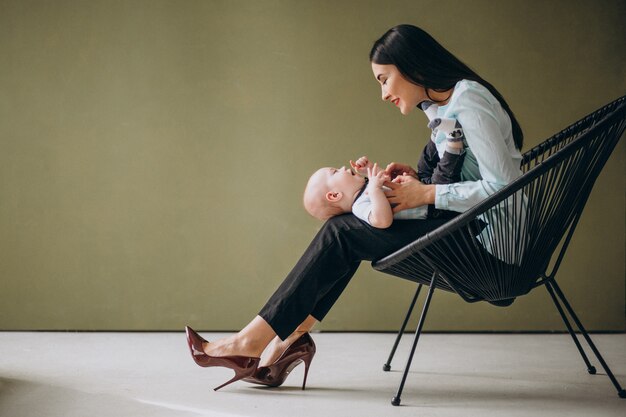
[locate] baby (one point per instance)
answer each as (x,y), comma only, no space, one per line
(334,191)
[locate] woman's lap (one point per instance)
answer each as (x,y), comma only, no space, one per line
(327,265)
(367,243)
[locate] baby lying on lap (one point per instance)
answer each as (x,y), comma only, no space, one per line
(334,191)
(359,190)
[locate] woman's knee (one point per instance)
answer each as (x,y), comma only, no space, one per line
(356,239)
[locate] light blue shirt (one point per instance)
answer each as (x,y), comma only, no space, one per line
(491,162)
(491,159)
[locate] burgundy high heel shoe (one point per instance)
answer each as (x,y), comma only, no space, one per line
(244,366)
(302,350)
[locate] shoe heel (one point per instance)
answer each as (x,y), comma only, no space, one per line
(236,378)
(307,362)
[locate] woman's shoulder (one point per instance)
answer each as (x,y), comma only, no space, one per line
(468,89)
(471,94)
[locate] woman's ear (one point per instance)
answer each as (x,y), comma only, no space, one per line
(334,196)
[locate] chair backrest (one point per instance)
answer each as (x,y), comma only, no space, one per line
(502,247)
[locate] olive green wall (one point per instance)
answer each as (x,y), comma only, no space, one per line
(153,153)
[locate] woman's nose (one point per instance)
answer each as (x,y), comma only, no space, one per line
(385,95)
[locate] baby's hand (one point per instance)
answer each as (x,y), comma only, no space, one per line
(377,176)
(361,165)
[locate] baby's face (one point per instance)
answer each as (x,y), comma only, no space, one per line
(341,179)
(330,192)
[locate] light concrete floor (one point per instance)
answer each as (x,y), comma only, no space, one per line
(151,374)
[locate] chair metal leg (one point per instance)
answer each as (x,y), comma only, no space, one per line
(620,391)
(396,400)
(590,368)
(387,365)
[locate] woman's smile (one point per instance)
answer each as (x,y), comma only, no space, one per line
(405,94)
(396,89)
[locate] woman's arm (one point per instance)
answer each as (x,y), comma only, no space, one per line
(492,153)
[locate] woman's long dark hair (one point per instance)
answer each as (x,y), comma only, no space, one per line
(424,62)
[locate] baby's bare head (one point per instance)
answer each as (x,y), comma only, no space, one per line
(316,201)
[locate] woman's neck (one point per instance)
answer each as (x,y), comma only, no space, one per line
(441,98)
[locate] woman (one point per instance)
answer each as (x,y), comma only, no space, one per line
(411,67)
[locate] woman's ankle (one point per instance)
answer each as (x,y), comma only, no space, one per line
(252,346)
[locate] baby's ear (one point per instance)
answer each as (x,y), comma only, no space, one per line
(334,196)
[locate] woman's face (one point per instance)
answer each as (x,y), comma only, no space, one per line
(396,89)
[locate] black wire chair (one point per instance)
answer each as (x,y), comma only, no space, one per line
(503,247)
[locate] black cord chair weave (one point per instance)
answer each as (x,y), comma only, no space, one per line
(503,247)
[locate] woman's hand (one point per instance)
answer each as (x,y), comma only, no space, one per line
(396,169)
(408,192)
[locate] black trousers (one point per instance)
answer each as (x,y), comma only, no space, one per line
(328,264)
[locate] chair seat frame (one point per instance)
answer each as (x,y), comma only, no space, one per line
(585,145)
